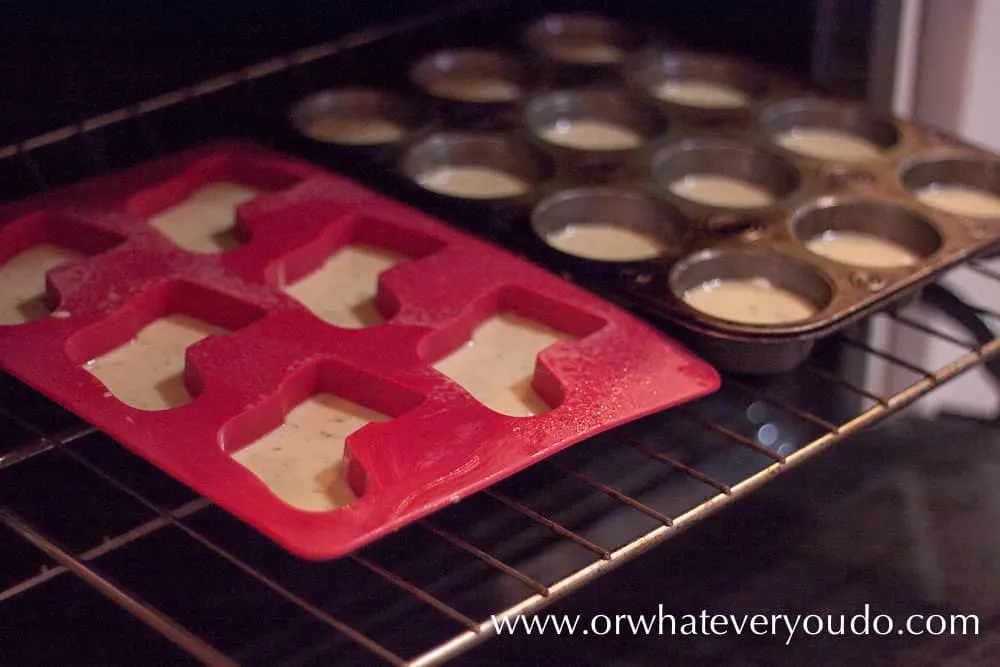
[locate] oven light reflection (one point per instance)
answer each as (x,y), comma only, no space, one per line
(767,435)
(757,412)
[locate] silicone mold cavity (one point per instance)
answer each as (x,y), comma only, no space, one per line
(528,309)
(197,304)
(198,211)
(384,245)
(324,378)
(31,247)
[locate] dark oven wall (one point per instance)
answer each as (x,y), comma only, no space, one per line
(63,61)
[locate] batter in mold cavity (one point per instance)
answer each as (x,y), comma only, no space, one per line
(22,281)
(497,364)
(301,461)
(147,372)
(342,290)
(205,222)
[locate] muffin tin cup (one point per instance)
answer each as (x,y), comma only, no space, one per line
(811,195)
(716,88)
(581,49)
(473,87)
(594,135)
(760,356)
(477,161)
(978,176)
(882,220)
(634,230)
(394,116)
(849,120)
(701,175)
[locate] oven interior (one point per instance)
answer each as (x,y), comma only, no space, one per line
(105,558)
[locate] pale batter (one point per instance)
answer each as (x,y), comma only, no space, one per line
(715,190)
(960,200)
(592,134)
(354,130)
(205,222)
(497,366)
(701,93)
(147,372)
(301,461)
(606,242)
(22,282)
(472,182)
(828,144)
(342,290)
(474,89)
(586,53)
(753,301)
(860,249)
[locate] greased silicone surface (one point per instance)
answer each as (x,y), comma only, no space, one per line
(441,445)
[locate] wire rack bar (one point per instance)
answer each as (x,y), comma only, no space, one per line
(548,523)
(852,387)
(987,271)
(781,404)
(888,356)
(43,443)
(613,493)
(491,560)
(676,465)
(417,592)
(966,343)
(467,640)
(25,452)
(709,425)
(107,546)
(145,612)
(248,569)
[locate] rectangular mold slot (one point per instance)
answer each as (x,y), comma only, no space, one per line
(33,246)
(336,276)
(497,364)
(147,372)
(302,460)
(342,290)
(197,211)
(492,352)
(205,221)
(139,352)
(294,442)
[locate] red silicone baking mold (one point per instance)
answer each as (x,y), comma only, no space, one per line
(441,444)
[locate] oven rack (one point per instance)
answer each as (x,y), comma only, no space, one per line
(150,567)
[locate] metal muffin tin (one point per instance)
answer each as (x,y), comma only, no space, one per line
(631,186)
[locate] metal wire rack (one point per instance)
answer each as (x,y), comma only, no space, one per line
(115,559)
